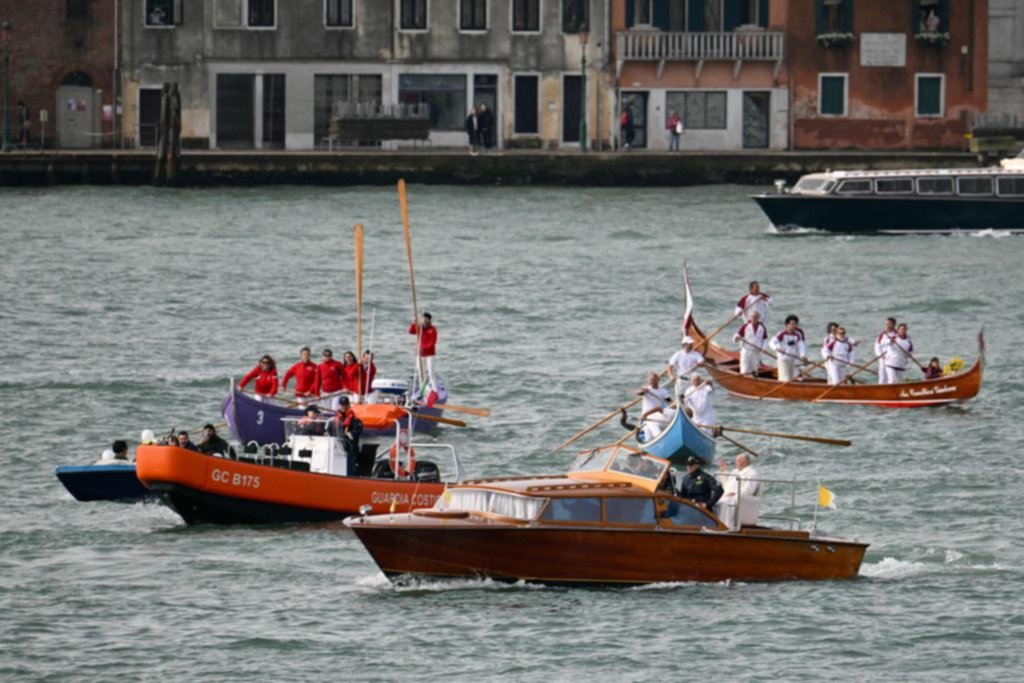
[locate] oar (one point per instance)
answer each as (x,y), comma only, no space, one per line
(846,362)
(819,364)
(832,388)
(604,419)
(796,437)
(736,443)
(764,351)
(404,203)
(358,234)
(479,412)
(726,324)
(438,418)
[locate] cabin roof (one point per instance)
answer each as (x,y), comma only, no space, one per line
(920,172)
(557,486)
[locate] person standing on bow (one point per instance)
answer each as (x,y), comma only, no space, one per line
(265,374)
(682,363)
(367,372)
(838,355)
(699,401)
(884,338)
(790,349)
(898,352)
(306,374)
(655,400)
(331,380)
(753,339)
(426,354)
(754,301)
(350,374)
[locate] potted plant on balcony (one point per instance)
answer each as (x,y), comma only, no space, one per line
(936,38)
(835,39)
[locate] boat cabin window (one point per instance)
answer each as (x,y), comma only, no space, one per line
(974,186)
(629,511)
(637,465)
(935,186)
(681,514)
(894,186)
(482,500)
(810,185)
(1009,187)
(572,510)
(591,462)
(854,187)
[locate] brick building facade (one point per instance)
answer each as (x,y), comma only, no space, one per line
(62,61)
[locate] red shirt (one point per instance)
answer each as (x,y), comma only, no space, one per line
(350,378)
(428,339)
(307,378)
(266,381)
(330,376)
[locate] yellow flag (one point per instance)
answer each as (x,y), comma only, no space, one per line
(826,498)
(447,495)
(393,501)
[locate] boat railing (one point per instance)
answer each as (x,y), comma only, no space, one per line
(794,523)
(456,463)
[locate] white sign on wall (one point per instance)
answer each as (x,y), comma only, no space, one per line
(883,49)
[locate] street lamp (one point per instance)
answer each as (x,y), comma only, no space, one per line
(5,38)
(584,39)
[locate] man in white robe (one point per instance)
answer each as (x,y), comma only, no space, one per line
(682,363)
(790,349)
(741,486)
(881,341)
(699,398)
(753,339)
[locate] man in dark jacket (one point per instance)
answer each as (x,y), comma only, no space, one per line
(212,443)
(347,427)
(699,486)
(486,120)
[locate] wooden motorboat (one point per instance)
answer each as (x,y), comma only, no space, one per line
(953,388)
(613,519)
(102,481)
(253,420)
(681,439)
(310,481)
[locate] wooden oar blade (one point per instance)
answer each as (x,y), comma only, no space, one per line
(468,410)
(795,437)
(358,236)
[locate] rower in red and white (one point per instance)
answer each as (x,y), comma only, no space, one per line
(790,349)
(898,351)
(330,378)
(427,351)
(754,301)
(881,341)
(307,378)
(753,339)
(838,354)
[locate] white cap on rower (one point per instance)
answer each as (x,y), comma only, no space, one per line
(108,455)
(688,340)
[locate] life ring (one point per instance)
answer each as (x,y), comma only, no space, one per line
(408,455)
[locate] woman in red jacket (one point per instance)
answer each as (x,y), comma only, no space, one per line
(265,374)
(350,374)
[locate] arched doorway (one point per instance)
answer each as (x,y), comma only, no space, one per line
(78,111)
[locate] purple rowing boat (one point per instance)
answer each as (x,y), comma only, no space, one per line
(252,420)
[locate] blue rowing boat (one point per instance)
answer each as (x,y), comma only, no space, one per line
(250,419)
(680,440)
(102,482)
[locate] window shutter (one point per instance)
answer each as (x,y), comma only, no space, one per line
(630,12)
(695,15)
(177,13)
(915,17)
(763,10)
(661,17)
(944,15)
(733,14)
(848,16)
(819,16)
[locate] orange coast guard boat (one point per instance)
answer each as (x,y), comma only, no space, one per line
(613,519)
(312,480)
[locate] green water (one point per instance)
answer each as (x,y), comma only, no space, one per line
(123,309)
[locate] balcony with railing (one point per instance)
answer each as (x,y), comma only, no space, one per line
(664,46)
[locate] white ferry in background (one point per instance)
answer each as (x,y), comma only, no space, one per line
(918,201)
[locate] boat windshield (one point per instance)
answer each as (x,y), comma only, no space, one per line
(524,508)
(592,461)
(811,184)
(638,465)
(303,426)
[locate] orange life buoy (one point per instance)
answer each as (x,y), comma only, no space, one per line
(408,455)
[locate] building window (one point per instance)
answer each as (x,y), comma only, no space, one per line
(526,15)
(472,15)
(832,94)
(930,16)
(700,110)
(575,13)
(446,95)
(261,13)
(77,9)
(929,95)
(273,111)
(335,94)
(713,15)
(642,12)
(339,14)
(834,17)
(413,15)
(162,13)
(527,104)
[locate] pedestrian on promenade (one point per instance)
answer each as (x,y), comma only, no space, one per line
(473,130)
(486,120)
(675,131)
(626,126)
(26,121)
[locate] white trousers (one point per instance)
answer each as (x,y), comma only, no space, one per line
(750,360)
(331,402)
(883,373)
(787,368)
(681,384)
(428,369)
(836,371)
(894,375)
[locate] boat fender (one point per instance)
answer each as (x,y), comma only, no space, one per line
(408,456)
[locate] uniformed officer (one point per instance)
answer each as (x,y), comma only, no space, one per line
(699,486)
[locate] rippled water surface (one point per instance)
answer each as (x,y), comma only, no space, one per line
(130,308)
